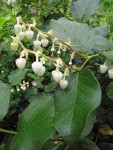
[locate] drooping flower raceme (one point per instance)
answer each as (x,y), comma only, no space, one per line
(23,30)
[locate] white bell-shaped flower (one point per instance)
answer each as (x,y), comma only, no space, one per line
(37,44)
(44,42)
(29,34)
(21,35)
(18,28)
(41,73)
(103,68)
(21,62)
(37,66)
(57,75)
(63,84)
(110,73)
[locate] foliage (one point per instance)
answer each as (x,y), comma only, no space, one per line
(56,75)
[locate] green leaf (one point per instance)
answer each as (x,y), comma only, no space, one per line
(89,124)
(17,76)
(80,35)
(2,21)
(4,99)
(110,90)
(87,144)
(102,43)
(84,8)
(75,105)
(109,55)
(31,91)
(35,124)
(102,30)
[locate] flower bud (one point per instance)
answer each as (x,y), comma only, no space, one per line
(21,62)
(37,44)
(70,63)
(103,68)
(57,75)
(59,52)
(14,46)
(21,35)
(110,73)
(12,90)
(18,89)
(63,84)
(34,83)
(29,34)
(18,28)
(41,73)
(44,42)
(37,66)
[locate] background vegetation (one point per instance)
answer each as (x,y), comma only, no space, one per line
(26,117)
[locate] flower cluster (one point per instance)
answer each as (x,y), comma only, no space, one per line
(23,86)
(104,68)
(22,31)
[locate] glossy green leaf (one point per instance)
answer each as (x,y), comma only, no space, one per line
(75,105)
(4,99)
(80,35)
(35,124)
(84,8)
(17,76)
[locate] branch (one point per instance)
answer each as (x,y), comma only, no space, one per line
(46,57)
(64,43)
